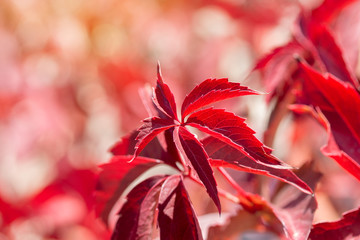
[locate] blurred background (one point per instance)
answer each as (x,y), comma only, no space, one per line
(70,72)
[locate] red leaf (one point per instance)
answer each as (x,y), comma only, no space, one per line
(136,217)
(177,218)
(349,37)
(224,155)
(149,130)
(328,9)
(232,130)
(330,53)
(295,209)
(114,178)
(9,213)
(279,64)
(347,228)
(331,149)
(210,91)
(126,146)
(193,150)
(163,98)
(290,214)
(339,102)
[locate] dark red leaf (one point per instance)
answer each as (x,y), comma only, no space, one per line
(193,150)
(347,228)
(136,217)
(224,155)
(210,91)
(232,130)
(115,177)
(149,130)
(177,218)
(339,102)
(163,97)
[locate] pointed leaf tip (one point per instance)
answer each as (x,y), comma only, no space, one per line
(211,91)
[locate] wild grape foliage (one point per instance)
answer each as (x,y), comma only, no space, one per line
(162,200)
(311,75)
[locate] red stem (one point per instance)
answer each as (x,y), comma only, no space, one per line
(232,182)
(243,200)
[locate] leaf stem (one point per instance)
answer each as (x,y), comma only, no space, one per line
(243,197)
(221,191)
(232,182)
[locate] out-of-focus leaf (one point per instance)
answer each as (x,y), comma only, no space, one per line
(234,225)
(331,149)
(193,150)
(329,52)
(346,228)
(177,218)
(149,130)
(349,37)
(223,155)
(289,215)
(328,9)
(339,102)
(210,91)
(9,213)
(115,177)
(278,65)
(163,97)
(296,209)
(136,217)
(233,131)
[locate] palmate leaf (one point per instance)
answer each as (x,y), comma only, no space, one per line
(210,91)
(193,150)
(346,228)
(223,155)
(339,102)
(232,130)
(315,42)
